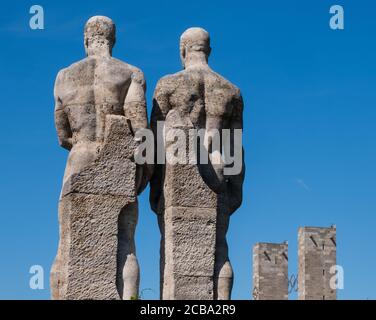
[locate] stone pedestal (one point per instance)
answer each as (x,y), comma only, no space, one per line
(188,218)
(91,201)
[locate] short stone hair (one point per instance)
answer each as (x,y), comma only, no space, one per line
(100,28)
(196,39)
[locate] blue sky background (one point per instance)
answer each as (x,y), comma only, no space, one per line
(309,129)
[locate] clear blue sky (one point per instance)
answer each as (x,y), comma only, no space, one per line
(309,120)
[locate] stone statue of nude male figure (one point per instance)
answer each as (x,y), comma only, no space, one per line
(194,202)
(90,95)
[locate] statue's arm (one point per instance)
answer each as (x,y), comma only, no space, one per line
(161,104)
(236,181)
(135,102)
(237,112)
(63,128)
(135,112)
(161,107)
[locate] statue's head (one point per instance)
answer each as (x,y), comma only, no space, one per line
(194,42)
(99,35)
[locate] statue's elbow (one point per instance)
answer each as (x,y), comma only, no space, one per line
(65,143)
(235,204)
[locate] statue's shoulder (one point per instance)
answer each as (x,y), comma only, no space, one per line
(225,83)
(68,77)
(136,72)
(171,77)
(81,64)
(169,82)
(75,69)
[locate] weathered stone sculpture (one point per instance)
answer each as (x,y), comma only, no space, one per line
(100,103)
(194,202)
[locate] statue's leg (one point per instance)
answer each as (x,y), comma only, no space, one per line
(55,276)
(128,271)
(59,270)
(162,257)
(223,278)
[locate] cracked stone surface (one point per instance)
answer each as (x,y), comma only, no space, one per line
(99,105)
(193,203)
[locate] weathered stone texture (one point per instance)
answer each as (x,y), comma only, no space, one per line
(270,271)
(317,254)
(194,201)
(99,105)
(86,265)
